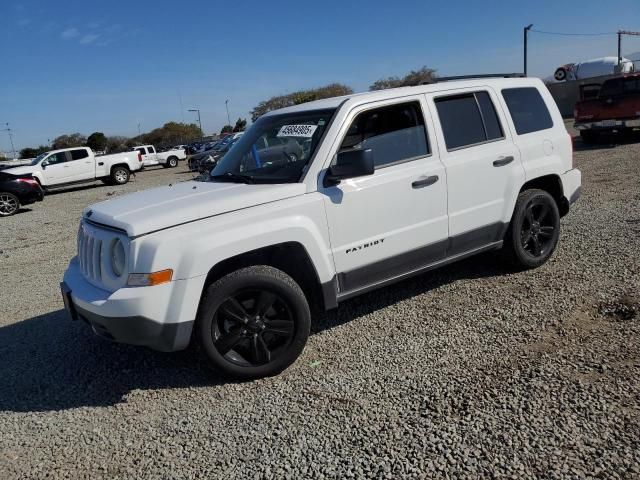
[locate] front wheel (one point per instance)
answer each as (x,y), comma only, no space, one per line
(120,175)
(9,204)
(534,231)
(253,322)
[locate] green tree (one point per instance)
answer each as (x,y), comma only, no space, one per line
(116,144)
(411,79)
(226,129)
(241,124)
(69,141)
(97,141)
(171,133)
(29,152)
(302,96)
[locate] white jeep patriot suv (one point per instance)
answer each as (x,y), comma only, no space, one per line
(382,186)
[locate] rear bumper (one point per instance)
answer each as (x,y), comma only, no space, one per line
(31,197)
(607,125)
(572,185)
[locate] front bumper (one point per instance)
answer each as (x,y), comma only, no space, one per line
(159,317)
(606,125)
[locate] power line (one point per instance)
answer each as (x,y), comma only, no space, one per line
(575,34)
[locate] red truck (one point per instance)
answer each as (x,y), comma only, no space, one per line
(616,108)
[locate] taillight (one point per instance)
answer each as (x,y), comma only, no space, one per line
(30,181)
(139,157)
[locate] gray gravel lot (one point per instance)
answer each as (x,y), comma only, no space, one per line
(469,371)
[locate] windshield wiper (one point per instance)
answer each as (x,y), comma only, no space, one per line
(233,177)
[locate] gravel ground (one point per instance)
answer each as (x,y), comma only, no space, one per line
(469,371)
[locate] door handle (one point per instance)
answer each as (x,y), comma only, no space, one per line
(425,181)
(502,161)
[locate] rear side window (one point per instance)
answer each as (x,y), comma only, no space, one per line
(395,133)
(527,109)
(79,154)
(468,119)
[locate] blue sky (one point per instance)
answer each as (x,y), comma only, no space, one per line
(107,66)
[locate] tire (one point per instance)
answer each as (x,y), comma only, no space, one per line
(172,162)
(560,74)
(9,204)
(589,137)
(242,342)
(120,175)
(534,230)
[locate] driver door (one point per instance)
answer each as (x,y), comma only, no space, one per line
(388,224)
(56,169)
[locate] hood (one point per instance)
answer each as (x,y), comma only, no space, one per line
(159,208)
(22,170)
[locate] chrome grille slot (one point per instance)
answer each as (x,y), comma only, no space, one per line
(90,255)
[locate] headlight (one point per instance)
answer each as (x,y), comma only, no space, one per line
(118,258)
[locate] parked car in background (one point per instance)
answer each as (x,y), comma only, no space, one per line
(17,190)
(205,161)
(168,159)
(391,184)
(615,109)
(593,68)
(69,166)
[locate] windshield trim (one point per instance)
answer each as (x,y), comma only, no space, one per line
(304,173)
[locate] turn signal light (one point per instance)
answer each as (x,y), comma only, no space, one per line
(149,279)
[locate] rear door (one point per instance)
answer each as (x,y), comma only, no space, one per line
(81,165)
(394,221)
(484,170)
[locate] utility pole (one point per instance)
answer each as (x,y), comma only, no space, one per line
(526,37)
(226,104)
(620,33)
(8,130)
(199,121)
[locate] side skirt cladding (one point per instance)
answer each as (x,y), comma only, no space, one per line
(369,277)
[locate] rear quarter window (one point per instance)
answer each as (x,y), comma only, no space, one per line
(527,109)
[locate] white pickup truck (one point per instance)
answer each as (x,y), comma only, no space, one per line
(69,166)
(168,159)
(384,185)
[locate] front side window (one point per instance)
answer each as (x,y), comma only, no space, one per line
(141,150)
(79,154)
(56,158)
(275,149)
(468,119)
(395,134)
(527,109)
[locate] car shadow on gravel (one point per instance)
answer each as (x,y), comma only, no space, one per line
(607,141)
(52,363)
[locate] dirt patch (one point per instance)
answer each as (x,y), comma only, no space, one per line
(625,308)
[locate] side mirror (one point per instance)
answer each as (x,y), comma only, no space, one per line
(44,165)
(350,164)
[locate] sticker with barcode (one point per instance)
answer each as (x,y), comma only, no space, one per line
(305,131)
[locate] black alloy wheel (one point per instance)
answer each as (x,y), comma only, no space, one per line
(534,230)
(253,327)
(253,322)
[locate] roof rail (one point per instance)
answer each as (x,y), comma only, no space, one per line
(481,75)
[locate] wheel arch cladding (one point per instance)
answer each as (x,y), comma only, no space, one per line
(290,257)
(553,185)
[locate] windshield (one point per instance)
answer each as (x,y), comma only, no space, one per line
(36,160)
(276,149)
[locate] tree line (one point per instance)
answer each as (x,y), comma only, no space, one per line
(176,133)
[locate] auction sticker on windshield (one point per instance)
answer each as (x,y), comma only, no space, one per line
(305,131)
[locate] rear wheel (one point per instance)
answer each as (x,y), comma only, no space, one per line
(120,175)
(172,162)
(253,322)
(9,204)
(534,231)
(588,136)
